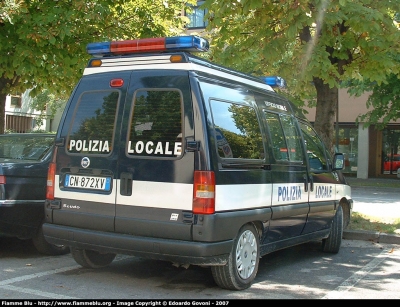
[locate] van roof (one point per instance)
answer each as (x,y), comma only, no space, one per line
(165,53)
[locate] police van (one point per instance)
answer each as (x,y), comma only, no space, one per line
(164,155)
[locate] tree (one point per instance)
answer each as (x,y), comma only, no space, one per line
(42,42)
(316,45)
(48,105)
(383,102)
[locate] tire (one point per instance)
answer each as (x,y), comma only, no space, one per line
(44,247)
(91,259)
(242,266)
(333,242)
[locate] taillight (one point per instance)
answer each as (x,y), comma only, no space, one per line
(204,192)
(51,176)
(2,179)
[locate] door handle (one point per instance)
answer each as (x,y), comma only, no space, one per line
(308,183)
(126,184)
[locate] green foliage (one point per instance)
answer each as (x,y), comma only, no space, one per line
(383,102)
(47,103)
(43,42)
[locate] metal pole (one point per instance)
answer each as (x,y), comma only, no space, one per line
(337,124)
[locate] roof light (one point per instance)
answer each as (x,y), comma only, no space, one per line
(274,81)
(117,82)
(189,43)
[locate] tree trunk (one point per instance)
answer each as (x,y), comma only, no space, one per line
(327,99)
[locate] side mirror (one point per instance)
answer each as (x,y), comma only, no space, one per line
(338,161)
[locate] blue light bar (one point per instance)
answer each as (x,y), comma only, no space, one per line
(189,43)
(101,48)
(274,81)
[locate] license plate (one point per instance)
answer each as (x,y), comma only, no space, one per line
(88,182)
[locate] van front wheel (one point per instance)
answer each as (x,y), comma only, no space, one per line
(242,266)
(332,243)
(91,259)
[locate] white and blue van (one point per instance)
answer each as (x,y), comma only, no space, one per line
(164,155)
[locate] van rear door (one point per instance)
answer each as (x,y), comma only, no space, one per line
(155,194)
(87,152)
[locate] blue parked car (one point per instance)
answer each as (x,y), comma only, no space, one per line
(24,160)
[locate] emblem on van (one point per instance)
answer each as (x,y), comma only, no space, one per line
(85,162)
(174,217)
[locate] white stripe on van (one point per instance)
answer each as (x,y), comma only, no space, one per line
(159,195)
(242,196)
(228,197)
(178,66)
(342,190)
(180,196)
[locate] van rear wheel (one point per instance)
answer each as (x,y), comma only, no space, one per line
(242,266)
(91,259)
(333,242)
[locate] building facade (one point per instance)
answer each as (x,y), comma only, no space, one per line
(369,152)
(20,117)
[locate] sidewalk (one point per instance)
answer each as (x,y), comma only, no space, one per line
(374,236)
(376,182)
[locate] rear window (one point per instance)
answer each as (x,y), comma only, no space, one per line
(92,128)
(156,124)
(32,148)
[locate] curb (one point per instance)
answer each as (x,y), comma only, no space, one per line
(374,236)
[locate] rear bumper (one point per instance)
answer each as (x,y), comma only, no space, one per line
(21,218)
(184,252)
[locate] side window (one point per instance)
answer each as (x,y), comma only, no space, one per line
(286,140)
(92,128)
(156,124)
(237,131)
(315,149)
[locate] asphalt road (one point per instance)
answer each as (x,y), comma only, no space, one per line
(361,270)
